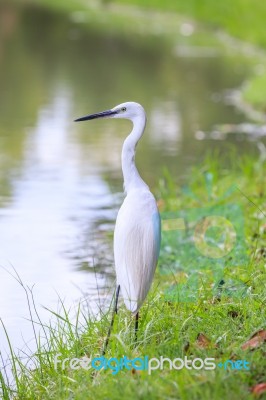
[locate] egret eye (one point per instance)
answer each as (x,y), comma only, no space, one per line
(123,109)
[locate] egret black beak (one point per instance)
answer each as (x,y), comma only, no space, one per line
(103,114)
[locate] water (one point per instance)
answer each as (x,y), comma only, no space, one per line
(60,182)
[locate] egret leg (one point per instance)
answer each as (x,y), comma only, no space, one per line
(112,320)
(136,326)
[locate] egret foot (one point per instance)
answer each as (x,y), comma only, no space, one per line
(112,320)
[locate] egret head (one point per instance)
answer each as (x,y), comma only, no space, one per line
(129,110)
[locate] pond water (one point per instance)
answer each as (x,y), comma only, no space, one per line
(60,182)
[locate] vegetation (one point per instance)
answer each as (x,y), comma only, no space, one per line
(197,307)
(218,324)
(241,19)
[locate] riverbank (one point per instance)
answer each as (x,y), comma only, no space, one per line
(241,19)
(236,26)
(208,295)
(195,310)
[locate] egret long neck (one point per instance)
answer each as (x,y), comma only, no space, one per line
(132,178)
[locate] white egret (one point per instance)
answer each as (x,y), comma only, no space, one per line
(137,231)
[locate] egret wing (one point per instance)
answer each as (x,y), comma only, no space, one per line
(136,247)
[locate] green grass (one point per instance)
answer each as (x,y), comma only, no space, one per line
(241,19)
(244,19)
(254,91)
(169,327)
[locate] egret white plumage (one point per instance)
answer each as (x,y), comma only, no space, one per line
(137,231)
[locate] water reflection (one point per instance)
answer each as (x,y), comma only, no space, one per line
(61,183)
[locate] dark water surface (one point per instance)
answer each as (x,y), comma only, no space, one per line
(60,182)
